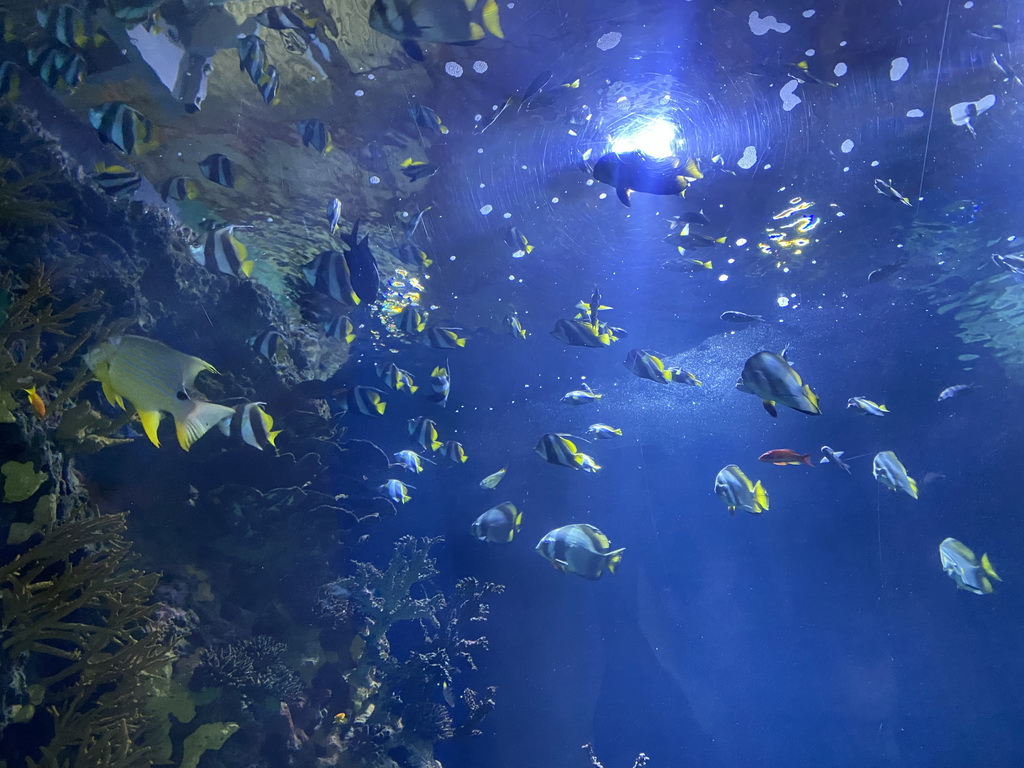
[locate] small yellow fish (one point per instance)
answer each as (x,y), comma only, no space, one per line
(491,481)
(36,401)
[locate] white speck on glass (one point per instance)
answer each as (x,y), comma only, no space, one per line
(788,95)
(749,159)
(453,68)
(609,40)
(898,68)
(486,209)
(808,13)
(768,24)
(847,146)
(479,67)
(840,69)
(915,113)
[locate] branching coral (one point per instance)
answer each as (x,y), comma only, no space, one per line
(72,598)
(26,199)
(253,666)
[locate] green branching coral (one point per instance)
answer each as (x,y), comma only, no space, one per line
(73,600)
(26,199)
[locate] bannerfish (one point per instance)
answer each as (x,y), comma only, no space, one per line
(412,22)
(252,425)
(179,188)
(891,473)
(498,525)
(579,548)
(735,489)
(411,461)
(453,451)
(514,327)
(218,169)
(423,432)
(579,333)
(960,564)
(427,119)
(366,401)
(328,274)
(155,379)
(396,490)
(222,252)
(415,170)
(636,172)
(340,328)
(647,366)
(123,126)
(440,385)
(116,179)
(395,378)
(252,56)
(267,344)
(559,450)
(886,188)
(315,134)
(411,319)
(444,338)
(770,377)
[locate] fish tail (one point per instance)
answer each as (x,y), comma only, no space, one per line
(247,267)
(492,20)
(412,388)
(197,422)
(986,564)
(460,342)
(807,460)
(614,558)
(912,484)
(760,496)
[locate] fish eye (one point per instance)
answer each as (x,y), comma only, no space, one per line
(182,395)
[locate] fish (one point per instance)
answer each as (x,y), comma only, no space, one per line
(71,26)
(645,365)
(454,451)
(581,396)
(955,390)
(412,22)
(266,344)
(328,273)
(636,172)
(116,179)
(411,460)
(801,72)
(366,400)
(444,338)
(1007,71)
(867,407)
(885,272)
(155,379)
(252,425)
(732,316)
(886,188)
(690,217)
(783,456)
(770,377)
(418,169)
(514,327)
(423,432)
(1012,263)
(587,463)
(536,85)
(559,450)
(579,333)
(396,490)
(364,275)
(268,85)
(995,32)
(131,12)
(735,489)
(440,386)
(427,119)
(179,188)
(222,252)
(890,472)
(719,162)
(395,378)
(491,481)
(10,81)
(282,17)
(315,134)
(58,65)
(517,240)
(488,119)
(412,223)
(498,525)
(603,431)
(960,564)
(35,401)
(580,548)
(411,254)
(834,457)
(218,169)
(686,265)
(123,126)
(411,319)
(333,215)
(252,56)
(696,240)
(340,328)
(594,307)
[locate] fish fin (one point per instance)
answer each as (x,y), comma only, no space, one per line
(511,535)
(986,564)
(769,406)
(272,436)
(720,240)
(379,406)
(412,389)
(706,264)
(883,408)
(528,248)
(578,459)
(623,194)
(912,484)
(197,422)
(460,342)
(435,445)
(807,460)
(150,422)
(492,20)
(247,267)
(614,558)
(693,169)
(112,397)
(476,32)
(760,496)
(812,399)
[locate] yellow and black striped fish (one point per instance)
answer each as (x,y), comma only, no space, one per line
(218,169)
(423,432)
(252,425)
(444,338)
(454,451)
(123,126)
(366,400)
(558,449)
(116,179)
(221,252)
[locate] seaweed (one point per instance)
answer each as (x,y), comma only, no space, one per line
(27,200)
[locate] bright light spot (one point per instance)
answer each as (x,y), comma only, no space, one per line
(375,179)
(741,241)
(655,138)
(454,69)
(722,278)
(479,67)
(846,147)
(486,209)
(840,69)
(359,92)
(782,301)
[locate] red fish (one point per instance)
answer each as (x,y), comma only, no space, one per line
(783,456)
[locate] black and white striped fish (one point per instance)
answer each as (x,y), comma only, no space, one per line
(580,333)
(411,319)
(315,134)
(396,378)
(252,56)
(252,425)
(179,188)
(366,400)
(72,26)
(340,328)
(123,126)
(329,275)
(218,169)
(558,449)
(444,338)
(453,451)
(58,65)
(221,252)
(116,179)
(282,17)
(268,84)
(440,385)
(423,432)
(498,525)
(267,344)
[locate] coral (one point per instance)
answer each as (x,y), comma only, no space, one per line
(479,708)
(26,200)
(428,721)
(206,737)
(73,600)
(253,666)
(640,761)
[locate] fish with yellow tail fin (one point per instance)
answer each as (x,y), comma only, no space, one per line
(155,379)
(123,126)
(886,188)
(581,549)
(960,564)
(890,472)
(770,377)
(735,489)
(580,333)
(222,252)
(116,179)
(179,188)
(445,338)
(36,401)
(867,407)
(423,432)
(491,481)
(440,385)
(603,431)
(514,327)
(581,396)
(559,450)
(412,22)
(411,319)
(411,461)
(396,490)
(395,378)
(630,172)
(252,425)
(415,170)
(498,525)
(366,400)
(454,452)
